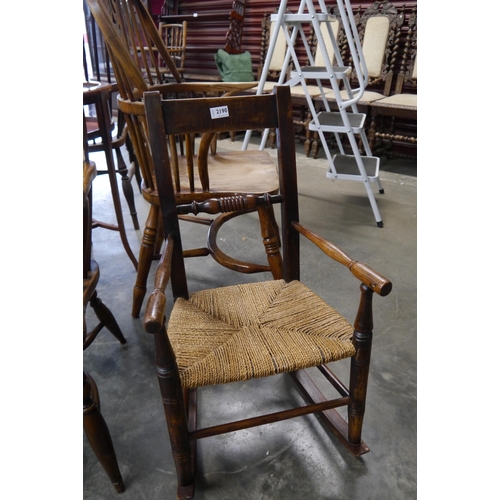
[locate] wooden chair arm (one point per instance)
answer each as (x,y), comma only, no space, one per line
(154,318)
(362,272)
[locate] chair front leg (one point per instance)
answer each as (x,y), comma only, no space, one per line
(175,413)
(360,365)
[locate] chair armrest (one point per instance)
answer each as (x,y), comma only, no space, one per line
(154,318)
(362,272)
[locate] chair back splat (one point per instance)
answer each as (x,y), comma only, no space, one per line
(258,329)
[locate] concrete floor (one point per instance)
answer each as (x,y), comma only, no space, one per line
(296,459)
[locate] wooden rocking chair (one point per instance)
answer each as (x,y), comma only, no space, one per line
(251,330)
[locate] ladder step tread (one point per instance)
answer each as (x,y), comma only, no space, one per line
(320,72)
(347,165)
(301,18)
(333,120)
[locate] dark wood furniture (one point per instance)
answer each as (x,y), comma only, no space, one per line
(98,94)
(394,118)
(218,174)
(251,330)
(93,422)
(234,33)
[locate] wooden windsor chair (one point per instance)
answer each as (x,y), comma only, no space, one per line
(135,47)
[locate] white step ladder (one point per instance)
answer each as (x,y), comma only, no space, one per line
(347,120)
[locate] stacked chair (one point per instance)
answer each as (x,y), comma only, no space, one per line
(136,50)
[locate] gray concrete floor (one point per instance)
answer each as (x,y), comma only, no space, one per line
(296,459)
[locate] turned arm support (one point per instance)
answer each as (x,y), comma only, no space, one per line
(154,317)
(372,279)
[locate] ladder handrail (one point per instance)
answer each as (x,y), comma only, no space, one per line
(356,52)
(267,63)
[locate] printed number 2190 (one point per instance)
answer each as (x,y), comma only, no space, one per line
(220,112)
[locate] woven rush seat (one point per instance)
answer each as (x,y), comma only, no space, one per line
(255,330)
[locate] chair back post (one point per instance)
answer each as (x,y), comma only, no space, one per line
(165,187)
(408,72)
(287,170)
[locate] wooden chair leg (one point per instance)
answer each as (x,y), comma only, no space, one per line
(127,187)
(371,133)
(315,146)
(98,434)
(146,256)
(175,413)
(308,141)
(272,138)
(134,163)
(106,317)
(360,365)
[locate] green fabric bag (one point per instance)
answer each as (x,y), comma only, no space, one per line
(234,67)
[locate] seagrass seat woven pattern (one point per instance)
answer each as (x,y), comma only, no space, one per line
(255,330)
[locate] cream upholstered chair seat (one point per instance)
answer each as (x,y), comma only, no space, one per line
(367,98)
(407,101)
(254,330)
(400,100)
(313,91)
